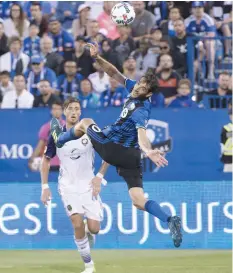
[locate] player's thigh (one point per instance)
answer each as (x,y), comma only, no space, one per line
(133,177)
(92,206)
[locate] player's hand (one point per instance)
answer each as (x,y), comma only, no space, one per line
(96,185)
(46,196)
(157,157)
(94,49)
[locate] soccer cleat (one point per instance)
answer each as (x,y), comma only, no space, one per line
(174,225)
(90,236)
(89,269)
(56,130)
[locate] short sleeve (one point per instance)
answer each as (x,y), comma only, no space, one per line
(140,117)
(44,132)
(129,84)
(50,151)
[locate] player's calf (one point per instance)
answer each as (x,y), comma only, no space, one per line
(138,198)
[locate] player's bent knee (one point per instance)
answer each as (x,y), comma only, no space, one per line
(94,230)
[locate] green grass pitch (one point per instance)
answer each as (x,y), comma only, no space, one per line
(118,261)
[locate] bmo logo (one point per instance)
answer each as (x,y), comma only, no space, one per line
(15,151)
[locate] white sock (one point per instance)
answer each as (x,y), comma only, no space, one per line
(84,250)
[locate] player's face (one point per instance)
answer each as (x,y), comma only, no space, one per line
(183,90)
(140,90)
(198,11)
(179,27)
(56,111)
(72,113)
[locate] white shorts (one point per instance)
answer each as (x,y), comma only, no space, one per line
(84,204)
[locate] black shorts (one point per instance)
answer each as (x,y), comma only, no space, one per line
(126,160)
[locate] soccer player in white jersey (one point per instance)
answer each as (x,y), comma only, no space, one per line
(78,186)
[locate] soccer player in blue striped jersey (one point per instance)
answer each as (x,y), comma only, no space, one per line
(120,144)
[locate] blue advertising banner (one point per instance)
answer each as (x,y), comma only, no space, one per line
(205,209)
(190,137)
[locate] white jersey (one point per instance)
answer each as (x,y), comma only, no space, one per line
(76,165)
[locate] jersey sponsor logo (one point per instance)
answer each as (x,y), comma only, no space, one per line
(124,113)
(75,154)
(96,128)
(158,133)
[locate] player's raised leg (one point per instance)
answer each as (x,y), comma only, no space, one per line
(152,207)
(82,242)
(75,132)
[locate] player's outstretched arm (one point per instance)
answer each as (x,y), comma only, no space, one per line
(155,155)
(110,69)
(44,173)
(99,178)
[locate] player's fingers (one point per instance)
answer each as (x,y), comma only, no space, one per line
(164,160)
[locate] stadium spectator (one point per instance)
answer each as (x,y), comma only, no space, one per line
(3,40)
(218,97)
(80,25)
(168,78)
(37,15)
(99,80)
(123,45)
(130,69)
(44,133)
(69,83)
(46,98)
(37,73)
(180,47)
(202,25)
(93,30)
(185,8)
(183,99)
(15,61)
(18,98)
(63,42)
(114,96)
(109,55)
(155,38)
(87,98)
(144,57)
(222,13)
(31,44)
(46,8)
(159,9)
(82,57)
(143,22)
(53,60)
(167,27)
(66,12)
(5,83)
(16,25)
(106,22)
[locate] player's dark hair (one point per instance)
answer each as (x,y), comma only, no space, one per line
(5,73)
(151,80)
(70,100)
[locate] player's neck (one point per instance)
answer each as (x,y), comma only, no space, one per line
(69,125)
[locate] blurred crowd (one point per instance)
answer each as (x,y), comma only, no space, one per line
(44,58)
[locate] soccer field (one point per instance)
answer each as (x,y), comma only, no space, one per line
(118,261)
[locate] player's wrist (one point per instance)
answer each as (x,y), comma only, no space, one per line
(100,175)
(44,186)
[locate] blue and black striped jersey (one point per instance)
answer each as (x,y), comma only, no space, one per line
(135,114)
